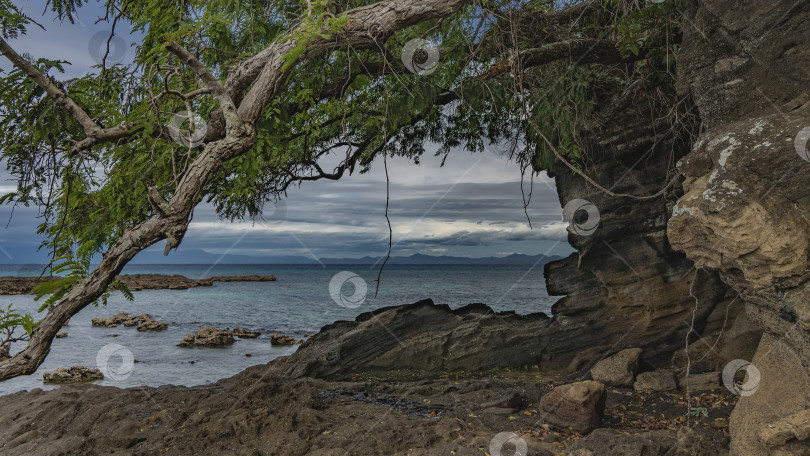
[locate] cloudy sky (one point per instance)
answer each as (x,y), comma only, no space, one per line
(471,207)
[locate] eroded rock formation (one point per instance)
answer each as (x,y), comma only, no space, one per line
(626,286)
(746,205)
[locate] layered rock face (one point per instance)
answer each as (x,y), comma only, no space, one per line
(625,286)
(423,337)
(746,207)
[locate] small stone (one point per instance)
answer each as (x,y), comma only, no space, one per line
(659,380)
(61,335)
(576,406)
(619,369)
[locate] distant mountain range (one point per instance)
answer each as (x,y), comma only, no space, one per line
(201,257)
(515,258)
(11,256)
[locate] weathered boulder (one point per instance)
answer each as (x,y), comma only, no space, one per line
(73,374)
(619,369)
(208,337)
(780,390)
(701,439)
(607,442)
(282,339)
(576,406)
(746,203)
(700,382)
(659,380)
(792,429)
(245,333)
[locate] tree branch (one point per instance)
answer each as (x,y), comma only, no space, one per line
(215,88)
(95,133)
(581,51)
(269,71)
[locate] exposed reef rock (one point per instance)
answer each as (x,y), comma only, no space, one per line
(208,337)
(283,339)
(73,374)
(245,333)
(144,322)
(135,282)
(746,205)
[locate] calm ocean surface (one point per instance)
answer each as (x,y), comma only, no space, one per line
(297,303)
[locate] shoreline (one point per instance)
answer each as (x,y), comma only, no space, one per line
(328,396)
(22,285)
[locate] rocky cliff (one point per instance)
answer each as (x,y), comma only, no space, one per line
(746,204)
(625,285)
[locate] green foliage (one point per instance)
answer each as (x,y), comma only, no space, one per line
(337,103)
(698,412)
(12,21)
(10,319)
(72,268)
